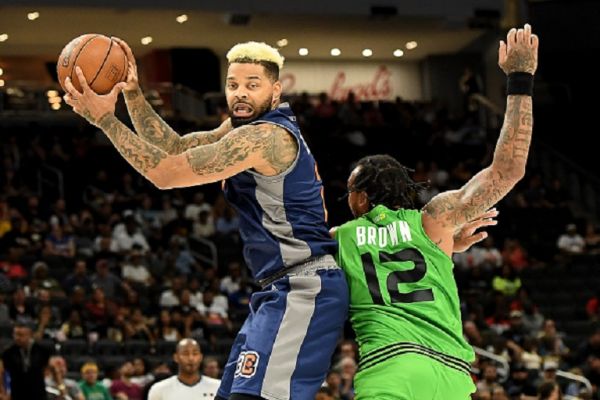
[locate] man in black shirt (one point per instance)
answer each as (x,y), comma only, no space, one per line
(25,361)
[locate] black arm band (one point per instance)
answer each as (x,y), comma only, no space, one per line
(519,83)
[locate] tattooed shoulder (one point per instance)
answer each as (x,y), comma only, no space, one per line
(283,149)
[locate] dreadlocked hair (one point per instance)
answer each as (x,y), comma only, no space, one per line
(386,182)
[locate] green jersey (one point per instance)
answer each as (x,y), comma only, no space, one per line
(403,296)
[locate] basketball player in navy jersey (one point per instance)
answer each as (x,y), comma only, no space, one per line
(284,348)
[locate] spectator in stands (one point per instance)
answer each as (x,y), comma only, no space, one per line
(128,233)
(324,393)
(533,320)
(141,375)
(515,255)
(47,326)
(137,327)
(204,226)
(211,368)
(530,356)
(592,238)
(508,283)
(193,209)
(12,267)
(124,386)
(170,297)
(227,223)
(91,388)
(231,282)
(489,381)
(99,310)
(571,243)
(78,277)
(591,347)
(549,391)
(592,307)
(213,310)
(26,362)
(105,243)
(592,372)
(20,310)
(73,328)
(134,269)
(516,333)
(334,384)
(106,280)
(520,383)
(42,281)
(549,370)
(58,386)
(60,243)
(551,344)
(347,368)
(165,330)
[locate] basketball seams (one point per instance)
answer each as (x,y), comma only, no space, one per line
(78,54)
(103,62)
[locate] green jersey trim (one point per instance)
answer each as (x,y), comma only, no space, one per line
(384,353)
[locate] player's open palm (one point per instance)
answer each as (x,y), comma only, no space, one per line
(132,74)
(520,52)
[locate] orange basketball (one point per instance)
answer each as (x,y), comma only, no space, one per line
(102,61)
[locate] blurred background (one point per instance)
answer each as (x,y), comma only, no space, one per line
(108,269)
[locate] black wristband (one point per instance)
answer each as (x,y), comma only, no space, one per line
(519,83)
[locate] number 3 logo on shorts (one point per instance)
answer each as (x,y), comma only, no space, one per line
(246,364)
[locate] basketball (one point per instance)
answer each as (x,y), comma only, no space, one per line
(102,61)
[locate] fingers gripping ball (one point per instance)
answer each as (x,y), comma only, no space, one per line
(102,61)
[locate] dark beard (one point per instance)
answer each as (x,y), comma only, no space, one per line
(262,110)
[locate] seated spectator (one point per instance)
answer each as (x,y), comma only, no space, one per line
(20,310)
(231,282)
(227,223)
(508,283)
(530,356)
(128,233)
(334,384)
(170,297)
(124,386)
(135,270)
(571,243)
(47,327)
(489,381)
(592,307)
(514,254)
(12,267)
(141,375)
(213,310)
(551,344)
(520,382)
(60,243)
(91,388)
(240,299)
(549,391)
(204,226)
(193,209)
(592,238)
(99,309)
(73,328)
(165,330)
(106,280)
(41,280)
(591,347)
(137,327)
(78,277)
(210,368)
(58,386)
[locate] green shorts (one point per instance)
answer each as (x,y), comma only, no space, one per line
(412,376)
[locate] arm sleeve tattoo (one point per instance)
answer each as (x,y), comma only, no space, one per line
(153,129)
(454,208)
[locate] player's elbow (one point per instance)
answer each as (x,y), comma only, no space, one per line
(511,172)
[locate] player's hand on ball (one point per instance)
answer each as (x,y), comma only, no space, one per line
(520,52)
(88,103)
(466,237)
(132,74)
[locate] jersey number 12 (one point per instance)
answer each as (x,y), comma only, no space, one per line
(395,278)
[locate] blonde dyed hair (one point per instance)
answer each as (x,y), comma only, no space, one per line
(255,52)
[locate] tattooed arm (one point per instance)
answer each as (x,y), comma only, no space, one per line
(150,126)
(267,148)
(154,130)
(450,210)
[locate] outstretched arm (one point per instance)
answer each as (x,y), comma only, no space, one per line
(449,210)
(151,127)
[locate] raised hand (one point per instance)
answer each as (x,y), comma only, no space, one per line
(466,237)
(520,52)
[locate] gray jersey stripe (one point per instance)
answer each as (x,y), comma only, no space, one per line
(300,306)
(270,197)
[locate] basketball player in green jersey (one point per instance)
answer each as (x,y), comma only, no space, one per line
(404,304)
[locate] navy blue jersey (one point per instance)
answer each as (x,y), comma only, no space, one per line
(282,217)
